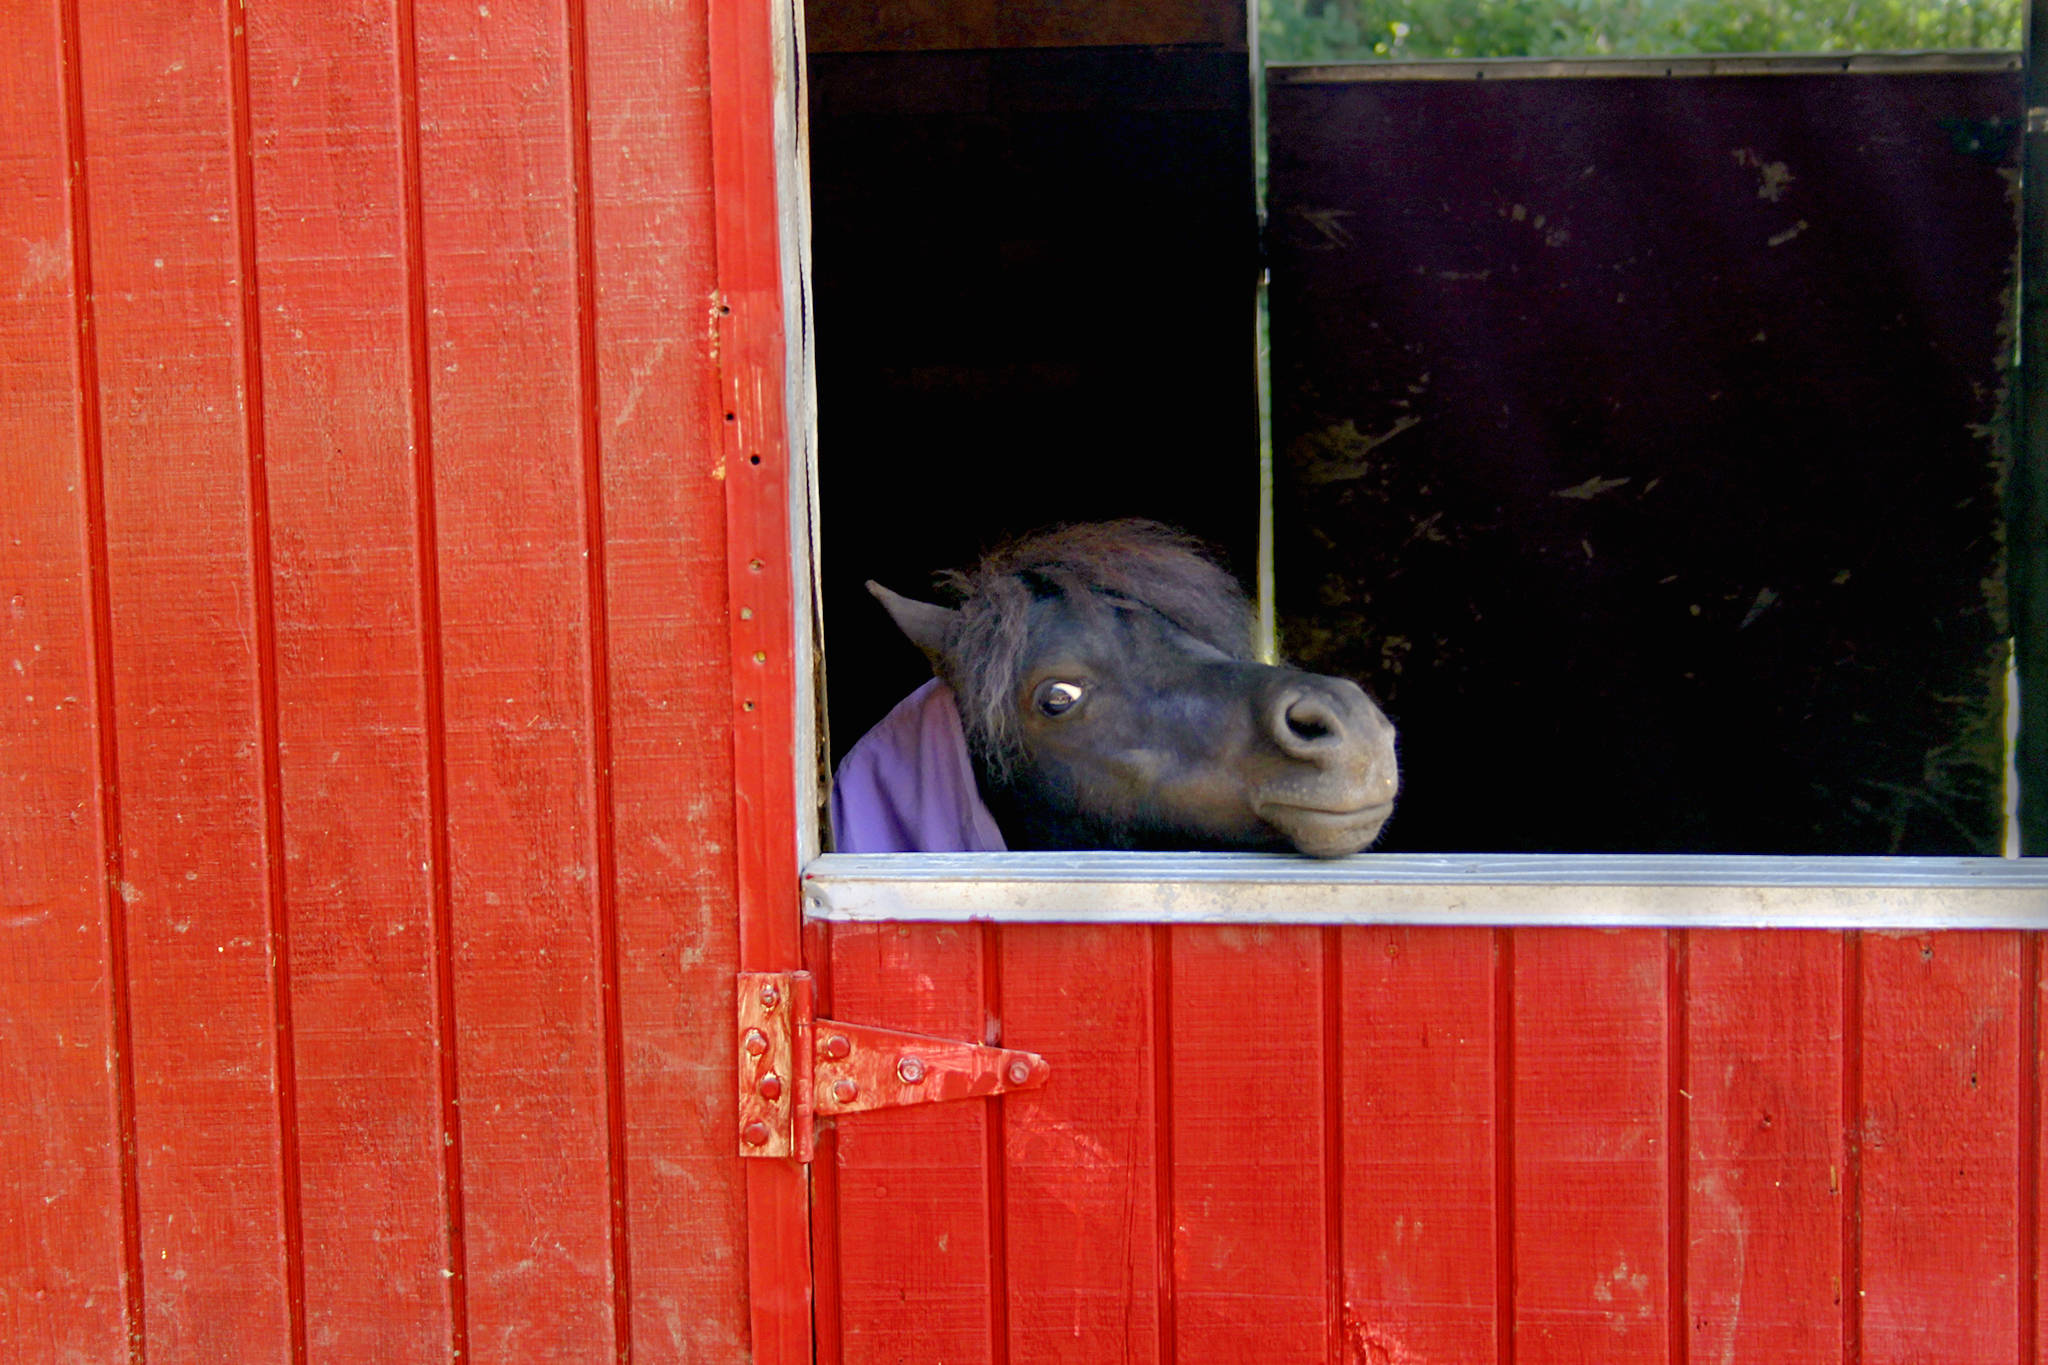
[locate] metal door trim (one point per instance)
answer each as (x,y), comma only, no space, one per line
(1605,890)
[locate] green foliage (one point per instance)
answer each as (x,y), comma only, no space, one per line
(1350,30)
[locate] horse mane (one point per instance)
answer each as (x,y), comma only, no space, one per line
(1097,566)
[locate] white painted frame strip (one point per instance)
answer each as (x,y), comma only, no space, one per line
(1616,891)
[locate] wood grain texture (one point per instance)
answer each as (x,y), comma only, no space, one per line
(1087,1267)
(159,90)
(750,79)
(354,726)
(1590,1163)
(1767,1189)
(1939,1132)
(2034,1155)
(1417,1033)
(498,195)
(270,635)
(1249,1223)
(913,1185)
(63,1246)
(659,424)
(754,88)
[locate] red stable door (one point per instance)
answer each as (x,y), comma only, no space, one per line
(1612,1126)
(1564,1110)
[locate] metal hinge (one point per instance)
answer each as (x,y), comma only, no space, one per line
(795,1067)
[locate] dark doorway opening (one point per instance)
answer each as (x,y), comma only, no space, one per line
(1640,429)
(1034,257)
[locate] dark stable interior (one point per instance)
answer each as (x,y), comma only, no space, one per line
(1034,251)
(1654,528)
(1640,444)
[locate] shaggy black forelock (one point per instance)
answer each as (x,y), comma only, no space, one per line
(1095,566)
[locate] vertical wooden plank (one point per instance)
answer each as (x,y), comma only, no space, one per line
(1764,1019)
(755,85)
(1250,1232)
(1941,1149)
(1591,1166)
(353,724)
(670,668)
(1420,1254)
(215,1197)
(2034,1153)
(826,1314)
(913,1192)
(504,346)
(1086,1263)
(62,1236)
(753,101)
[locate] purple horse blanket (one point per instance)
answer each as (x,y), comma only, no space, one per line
(907,786)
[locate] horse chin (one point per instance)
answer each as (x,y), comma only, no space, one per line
(1327,833)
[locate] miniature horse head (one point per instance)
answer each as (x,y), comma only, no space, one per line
(1107,688)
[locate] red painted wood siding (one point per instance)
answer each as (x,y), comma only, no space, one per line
(1394,1146)
(67,1215)
(367,844)
(389,790)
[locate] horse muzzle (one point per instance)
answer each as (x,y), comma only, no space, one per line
(1334,785)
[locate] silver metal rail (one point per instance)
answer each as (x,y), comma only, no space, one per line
(1903,894)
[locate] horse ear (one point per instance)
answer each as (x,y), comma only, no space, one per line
(928,625)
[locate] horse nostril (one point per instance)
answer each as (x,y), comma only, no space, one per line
(1306,726)
(1307,723)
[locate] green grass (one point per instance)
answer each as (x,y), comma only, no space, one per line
(1354,30)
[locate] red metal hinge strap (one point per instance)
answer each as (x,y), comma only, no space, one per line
(794,1066)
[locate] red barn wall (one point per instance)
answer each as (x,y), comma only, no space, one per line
(367,911)
(371,874)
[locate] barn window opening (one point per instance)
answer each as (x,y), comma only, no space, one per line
(1034,246)
(1638,432)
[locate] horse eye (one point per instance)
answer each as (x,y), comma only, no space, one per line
(1057,698)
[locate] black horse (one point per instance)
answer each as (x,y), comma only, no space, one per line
(1109,698)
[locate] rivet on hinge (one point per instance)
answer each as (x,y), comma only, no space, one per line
(861,1067)
(774,1065)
